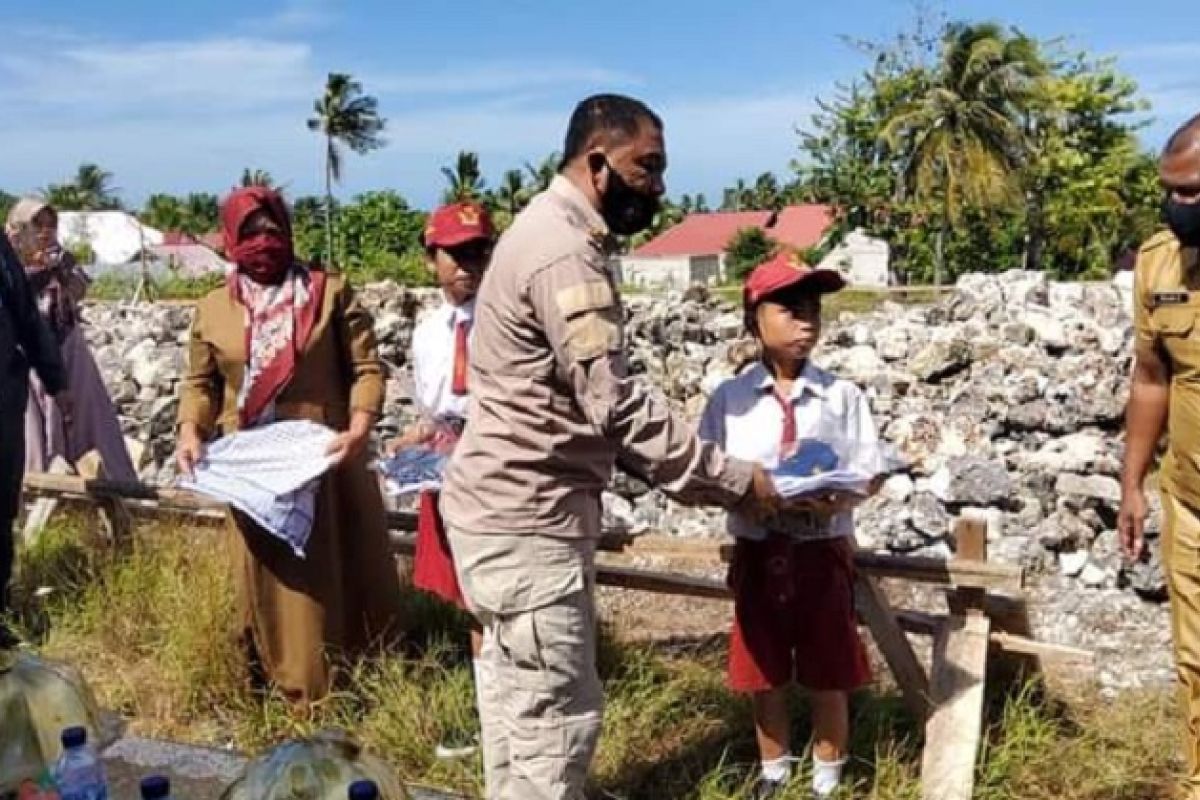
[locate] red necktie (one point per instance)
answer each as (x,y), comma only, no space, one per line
(458,383)
(788,439)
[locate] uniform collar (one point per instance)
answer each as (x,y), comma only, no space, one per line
(809,380)
(583,214)
(452,314)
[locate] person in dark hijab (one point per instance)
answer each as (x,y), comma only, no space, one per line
(25,341)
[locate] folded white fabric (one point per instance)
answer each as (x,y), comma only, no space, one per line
(269,473)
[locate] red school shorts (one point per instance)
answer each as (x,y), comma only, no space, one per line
(794,616)
(433,565)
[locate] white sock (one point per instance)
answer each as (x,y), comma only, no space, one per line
(778,770)
(826,776)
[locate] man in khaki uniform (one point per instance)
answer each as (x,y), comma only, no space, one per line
(552,413)
(1166,395)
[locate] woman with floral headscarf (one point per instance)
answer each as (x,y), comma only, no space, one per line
(60,286)
(285,341)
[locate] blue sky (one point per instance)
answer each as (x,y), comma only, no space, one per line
(181,96)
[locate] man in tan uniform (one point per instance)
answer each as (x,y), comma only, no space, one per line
(552,413)
(1166,395)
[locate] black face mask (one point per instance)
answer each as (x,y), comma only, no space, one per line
(626,210)
(1184,221)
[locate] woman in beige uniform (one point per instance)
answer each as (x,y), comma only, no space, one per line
(284,341)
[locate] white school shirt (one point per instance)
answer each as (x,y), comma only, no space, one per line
(433,362)
(745,419)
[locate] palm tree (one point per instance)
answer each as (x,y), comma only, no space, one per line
(257,177)
(466,183)
(542,173)
(766,194)
(90,191)
(961,140)
(94,186)
(512,194)
(738,197)
(344,116)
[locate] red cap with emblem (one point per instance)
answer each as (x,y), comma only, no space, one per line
(787,271)
(457,223)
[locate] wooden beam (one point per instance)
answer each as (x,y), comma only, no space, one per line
(875,610)
(937,571)
(955,726)
(185,502)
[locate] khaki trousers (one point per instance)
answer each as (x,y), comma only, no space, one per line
(541,704)
(1181,560)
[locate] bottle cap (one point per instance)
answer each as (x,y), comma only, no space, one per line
(74,737)
(155,787)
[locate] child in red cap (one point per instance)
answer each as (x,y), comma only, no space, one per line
(458,246)
(792,576)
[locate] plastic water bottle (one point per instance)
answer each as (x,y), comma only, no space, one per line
(364,790)
(156,787)
(78,772)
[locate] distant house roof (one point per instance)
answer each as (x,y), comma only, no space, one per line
(214,241)
(115,237)
(192,260)
(709,234)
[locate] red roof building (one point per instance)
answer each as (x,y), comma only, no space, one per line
(694,250)
(709,234)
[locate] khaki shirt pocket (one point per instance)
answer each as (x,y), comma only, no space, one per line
(1174,329)
(1174,320)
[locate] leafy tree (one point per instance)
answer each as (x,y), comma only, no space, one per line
(542,173)
(257,177)
(163,212)
(465,179)
(201,213)
(7,201)
(748,248)
(345,117)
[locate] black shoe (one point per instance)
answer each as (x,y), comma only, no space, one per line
(765,789)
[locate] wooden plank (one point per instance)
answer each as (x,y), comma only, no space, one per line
(43,507)
(952,572)
(955,727)
(970,539)
(875,610)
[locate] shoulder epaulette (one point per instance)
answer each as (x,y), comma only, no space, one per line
(1163,237)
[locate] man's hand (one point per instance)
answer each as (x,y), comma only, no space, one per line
(350,444)
(189,451)
(346,446)
(761,501)
(1131,522)
(66,406)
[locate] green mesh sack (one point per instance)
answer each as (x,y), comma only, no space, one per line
(320,768)
(38,699)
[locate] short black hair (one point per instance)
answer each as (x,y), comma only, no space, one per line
(1183,138)
(611,114)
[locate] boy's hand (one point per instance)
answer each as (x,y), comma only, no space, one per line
(827,505)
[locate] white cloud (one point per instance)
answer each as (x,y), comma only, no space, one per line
(1162,51)
(188,115)
(295,16)
(205,76)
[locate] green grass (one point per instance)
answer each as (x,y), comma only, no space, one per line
(152,626)
(114,288)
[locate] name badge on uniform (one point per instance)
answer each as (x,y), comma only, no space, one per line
(1176,298)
